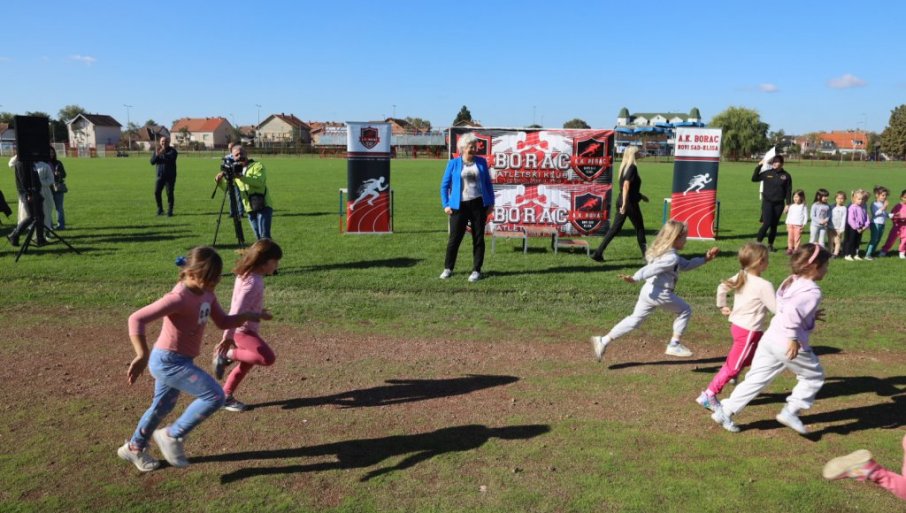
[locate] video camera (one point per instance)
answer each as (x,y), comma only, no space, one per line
(231,168)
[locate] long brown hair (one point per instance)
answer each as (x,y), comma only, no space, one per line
(805,259)
(204,265)
(258,254)
(749,256)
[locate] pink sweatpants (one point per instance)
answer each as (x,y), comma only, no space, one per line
(793,235)
(744,344)
(250,350)
(891,481)
(897,231)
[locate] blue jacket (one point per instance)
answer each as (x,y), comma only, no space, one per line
(451,184)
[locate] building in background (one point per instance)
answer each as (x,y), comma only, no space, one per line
(201,133)
(94,131)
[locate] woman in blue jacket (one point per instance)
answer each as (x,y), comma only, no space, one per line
(467,196)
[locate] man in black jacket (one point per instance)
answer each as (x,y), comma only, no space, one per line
(775,198)
(165,160)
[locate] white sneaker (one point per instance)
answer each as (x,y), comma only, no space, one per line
(171,448)
(855,465)
(446,274)
(857,257)
(142,460)
(848,258)
(721,417)
(791,421)
(599,345)
(868,258)
(475,276)
(708,402)
(678,350)
(902,255)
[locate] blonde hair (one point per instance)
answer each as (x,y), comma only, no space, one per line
(670,232)
(204,265)
(749,256)
(628,160)
(258,254)
(464,141)
(862,194)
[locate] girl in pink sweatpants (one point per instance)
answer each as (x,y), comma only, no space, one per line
(245,345)
(860,465)
(898,216)
(753,298)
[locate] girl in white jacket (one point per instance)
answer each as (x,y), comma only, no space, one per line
(796,218)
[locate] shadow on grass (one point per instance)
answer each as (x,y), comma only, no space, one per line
(397,391)
(372,451)
(819,350)
(886,415)
(393,263)
(591,267)
(132,237)
(303,214)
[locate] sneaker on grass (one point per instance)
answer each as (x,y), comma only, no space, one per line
(475,276)
(220,363)
(446,274)
(231,404)
(855,465)
(171,448)
(141,459)
(599,345)
(791,420)
(721,417)
(708,402)
(678,350)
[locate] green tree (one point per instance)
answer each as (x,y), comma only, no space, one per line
(777,139)
(534,125)
(419,124)
(67,113)
(874,143)
(576,123)
(150,123)
(744,133)
(7,117)
(893,138)
(464,116)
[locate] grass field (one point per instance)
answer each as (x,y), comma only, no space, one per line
(396,391)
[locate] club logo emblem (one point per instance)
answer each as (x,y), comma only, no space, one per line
(591,158)
(587,213)
(369,137)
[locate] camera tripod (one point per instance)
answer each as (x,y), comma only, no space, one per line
(34,225)
(231,192)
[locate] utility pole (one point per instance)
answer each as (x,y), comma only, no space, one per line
(128,128)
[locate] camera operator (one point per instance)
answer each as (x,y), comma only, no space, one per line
(251,181)
(164,157)
(28,185)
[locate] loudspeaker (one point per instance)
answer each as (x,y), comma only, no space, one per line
(32,138)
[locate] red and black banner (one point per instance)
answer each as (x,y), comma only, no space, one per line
(694,198)
(547,178)
(368,208)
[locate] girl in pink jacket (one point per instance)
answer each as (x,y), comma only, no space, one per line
(785,344)
(244,344)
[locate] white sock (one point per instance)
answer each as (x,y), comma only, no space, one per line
(606,339)
(229,354)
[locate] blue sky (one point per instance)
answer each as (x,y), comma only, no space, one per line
(834,65)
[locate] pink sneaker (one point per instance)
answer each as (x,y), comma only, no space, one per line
(855,465)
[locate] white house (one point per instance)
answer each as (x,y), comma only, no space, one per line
(284,129)
(93,131)
(624,118)
(209,132)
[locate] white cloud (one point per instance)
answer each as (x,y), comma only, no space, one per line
(768,88)
(86,59)
(845,82)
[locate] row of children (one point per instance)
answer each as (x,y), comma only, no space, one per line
(185,311)
(844,225)
(784,344)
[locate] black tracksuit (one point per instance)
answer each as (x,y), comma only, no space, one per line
(777,193)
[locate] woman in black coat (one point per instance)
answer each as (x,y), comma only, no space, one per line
(627,205)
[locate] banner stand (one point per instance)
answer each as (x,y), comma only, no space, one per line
(369,204)
(695,166)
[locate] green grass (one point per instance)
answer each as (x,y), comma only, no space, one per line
(651,451)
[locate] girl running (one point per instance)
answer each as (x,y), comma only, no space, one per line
(244,344)
(753,297)
(660,276)
(185,310)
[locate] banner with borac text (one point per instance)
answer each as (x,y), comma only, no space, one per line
(546,178)
(368,208)
(694,199)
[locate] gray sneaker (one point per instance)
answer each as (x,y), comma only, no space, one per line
(721,417)
(171,448)
(141,459)
(231,404)
(791,420)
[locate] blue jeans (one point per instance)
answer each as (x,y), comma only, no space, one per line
(58,203)
(261,223)
(175,373)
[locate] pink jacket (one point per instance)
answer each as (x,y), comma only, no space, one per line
(797,306)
